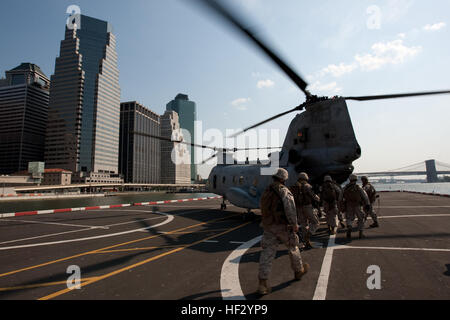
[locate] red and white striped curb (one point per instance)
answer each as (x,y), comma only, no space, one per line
(19,195)
(424,193)
(37,212)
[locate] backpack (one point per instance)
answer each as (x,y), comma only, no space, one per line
(371,192)
(296,191)
(352,193)
(329,193)
(272,209)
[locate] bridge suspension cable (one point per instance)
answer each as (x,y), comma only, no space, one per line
(410,167)
(442,164)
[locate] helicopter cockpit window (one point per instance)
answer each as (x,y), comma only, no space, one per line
(241,180)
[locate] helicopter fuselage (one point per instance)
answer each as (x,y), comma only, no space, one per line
(320,141)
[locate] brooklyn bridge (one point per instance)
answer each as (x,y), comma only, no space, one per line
(430,168)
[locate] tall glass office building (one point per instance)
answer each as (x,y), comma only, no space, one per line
(84,108)
(140,155)
(23,117)
(187,112)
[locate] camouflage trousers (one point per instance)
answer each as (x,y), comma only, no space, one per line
(372,214)
(272,237)
(331,211)
(307,219)
(340,215)
(352,212)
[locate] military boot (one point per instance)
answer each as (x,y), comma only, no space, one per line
(361,235)
(374,225)
(308,245)
(301,273)
(349,233)
(263,287)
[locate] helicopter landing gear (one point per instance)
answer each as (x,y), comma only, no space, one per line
(223,205)
(248,216)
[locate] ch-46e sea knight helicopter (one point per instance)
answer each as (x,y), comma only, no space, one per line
(320,140)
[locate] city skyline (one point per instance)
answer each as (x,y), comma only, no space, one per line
(407,53)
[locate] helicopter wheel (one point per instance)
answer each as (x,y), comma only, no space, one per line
(248,216)
(223,206)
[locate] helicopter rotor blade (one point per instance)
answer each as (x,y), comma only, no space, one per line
(394,96)
(201,146)
(298,108)
(212,157)
(232,18)
(174,141)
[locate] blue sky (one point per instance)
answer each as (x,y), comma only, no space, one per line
(171,46)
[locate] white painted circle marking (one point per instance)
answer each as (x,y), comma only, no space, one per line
(229,278)
(169,219)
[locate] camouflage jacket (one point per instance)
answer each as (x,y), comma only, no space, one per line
(331,193)
(270,202)
(371,192)
(303,194)
(355,195)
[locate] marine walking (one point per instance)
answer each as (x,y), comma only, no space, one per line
(372,194)
(330,196)
(304,199)
(353,198)
(280,225)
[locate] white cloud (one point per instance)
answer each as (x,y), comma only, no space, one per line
(240,103)
(382,54)
(327,87)
(338,70)
(393,52)
(265,84)
(402,35)
(434,27)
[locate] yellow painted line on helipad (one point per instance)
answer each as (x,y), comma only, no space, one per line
(138,249)
(39,285)
(113,273)
(109,247)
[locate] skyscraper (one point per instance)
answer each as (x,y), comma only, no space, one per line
(139,155)
(187,112)
(84,109)
(175,160)
(24,100)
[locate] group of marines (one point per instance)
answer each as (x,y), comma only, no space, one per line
(288,212)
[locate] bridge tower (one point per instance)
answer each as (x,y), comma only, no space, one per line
(431,171)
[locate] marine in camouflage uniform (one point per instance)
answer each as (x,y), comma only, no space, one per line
(304,197)
(279,221)
(339,213)
(354,196)
(330,196)
(372,194)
